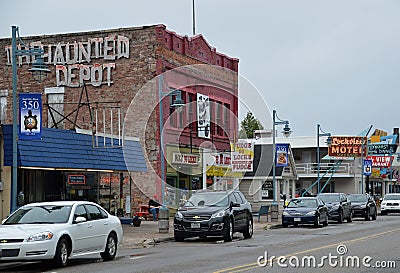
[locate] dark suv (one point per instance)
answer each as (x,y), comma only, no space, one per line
(339,206)
(214,213)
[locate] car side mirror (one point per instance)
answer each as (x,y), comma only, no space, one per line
(80,219)
(235,205)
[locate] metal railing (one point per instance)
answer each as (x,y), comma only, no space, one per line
(312,168)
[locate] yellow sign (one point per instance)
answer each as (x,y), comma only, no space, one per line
(222,172)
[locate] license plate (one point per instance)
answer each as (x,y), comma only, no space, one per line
(195,225)
(297,219)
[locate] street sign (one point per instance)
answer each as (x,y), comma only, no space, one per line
(367,167)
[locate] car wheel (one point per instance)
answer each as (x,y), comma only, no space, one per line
(317,222)
(350,218)
(374,215)
(248,233)
(179,237)
(228,235)
(62,251)
(111,248)
(340,220)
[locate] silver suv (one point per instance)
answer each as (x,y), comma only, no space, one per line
(390,203)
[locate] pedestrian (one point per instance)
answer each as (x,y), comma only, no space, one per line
(154,206)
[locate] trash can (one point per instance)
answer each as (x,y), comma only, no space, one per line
(163,220)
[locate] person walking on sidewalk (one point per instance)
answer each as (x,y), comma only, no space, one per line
(154,206)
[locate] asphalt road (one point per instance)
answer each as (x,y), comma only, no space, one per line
(360,246)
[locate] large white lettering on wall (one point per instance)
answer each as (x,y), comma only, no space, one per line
(73,61)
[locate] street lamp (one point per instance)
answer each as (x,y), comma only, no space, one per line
(286,132)
(38,71)
(328,141)
(175,103)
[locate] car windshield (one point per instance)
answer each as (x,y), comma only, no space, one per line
(329,198)
(302,203)
(211,199)
(357,197)
(40,215)
(392,197)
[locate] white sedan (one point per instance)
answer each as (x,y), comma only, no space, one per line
(58,231)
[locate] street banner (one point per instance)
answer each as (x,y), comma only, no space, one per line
(367,167)
(30,114)
(242,156)
(203,116)
(281,157)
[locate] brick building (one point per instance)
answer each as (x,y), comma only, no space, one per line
(107,84)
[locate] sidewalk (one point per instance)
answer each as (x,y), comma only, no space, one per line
(148,232)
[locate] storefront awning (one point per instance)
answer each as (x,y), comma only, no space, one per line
(66,149)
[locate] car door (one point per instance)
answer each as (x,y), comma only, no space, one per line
(242,209)
(81,232)
(346,205)
(323,210)
(99,226)
(236,211)
(371,205)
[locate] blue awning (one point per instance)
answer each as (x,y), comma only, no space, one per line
(66,149)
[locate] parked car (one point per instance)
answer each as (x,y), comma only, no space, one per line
(214,213)
(390,203)
(339,206)
(363,206)
(305,210)
(59,231)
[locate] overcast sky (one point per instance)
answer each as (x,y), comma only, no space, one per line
(336,63)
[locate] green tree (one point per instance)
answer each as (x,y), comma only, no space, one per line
(248,125)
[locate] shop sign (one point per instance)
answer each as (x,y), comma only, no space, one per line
(282,151)
(76,179)
(377,149)
(348,146)
(74,61)
(221,171)
(242,156)
(30,114)
(380,161)
(188,159)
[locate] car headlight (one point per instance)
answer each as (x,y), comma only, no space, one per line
(42,236)
(218,214)
(383,204)
(179,216)
(285,213)
(311,213)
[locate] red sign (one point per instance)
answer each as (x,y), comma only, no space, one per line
(348,146)
(381,161)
